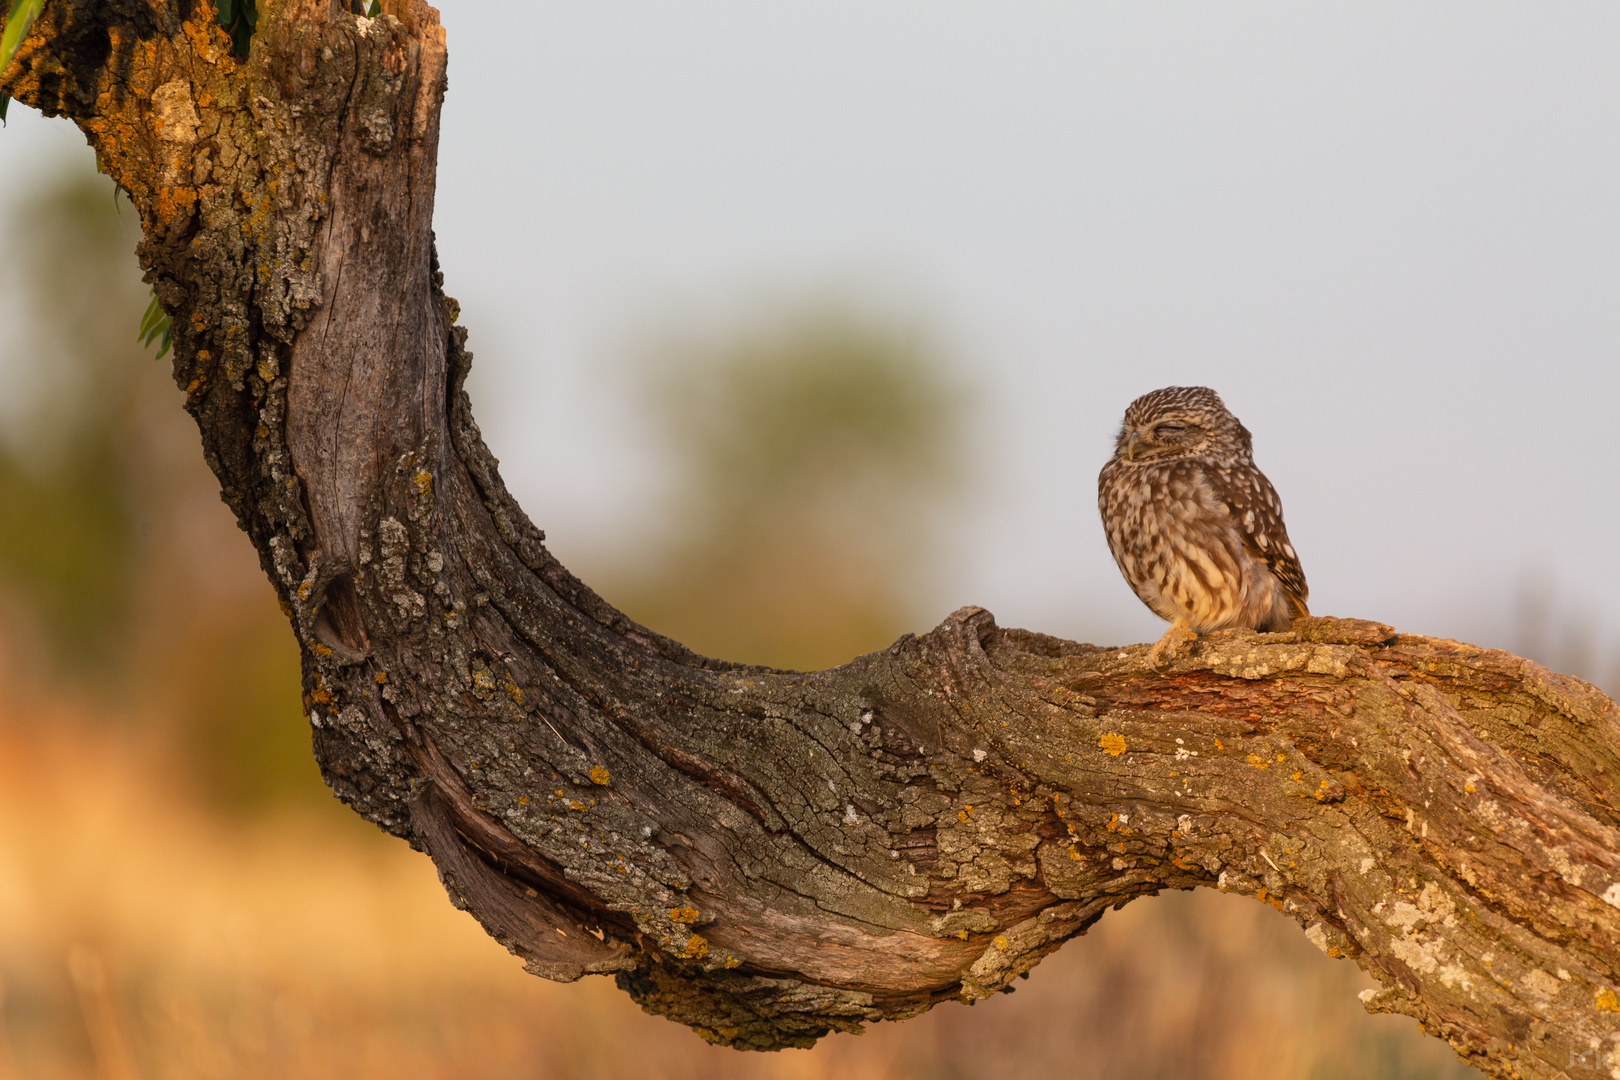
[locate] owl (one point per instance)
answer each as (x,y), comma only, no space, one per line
(1196,529)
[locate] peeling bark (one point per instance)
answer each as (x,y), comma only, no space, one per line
(767,855)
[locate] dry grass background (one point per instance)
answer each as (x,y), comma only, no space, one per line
(145,936)
(181,898)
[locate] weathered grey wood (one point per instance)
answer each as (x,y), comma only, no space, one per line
(770,855)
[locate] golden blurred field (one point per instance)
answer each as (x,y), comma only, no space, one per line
(146,937)
(180,897)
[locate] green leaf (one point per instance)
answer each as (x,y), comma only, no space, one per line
(156,325)
(374,10)
(154,311)
(239,18)
(4,101)
(23,14)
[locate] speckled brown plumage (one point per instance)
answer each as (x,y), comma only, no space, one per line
(1196,529)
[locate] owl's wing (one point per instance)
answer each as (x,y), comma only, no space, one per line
(1254,505)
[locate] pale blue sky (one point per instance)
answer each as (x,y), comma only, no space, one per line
(1387,233)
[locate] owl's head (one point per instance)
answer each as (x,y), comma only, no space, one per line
(1181,422)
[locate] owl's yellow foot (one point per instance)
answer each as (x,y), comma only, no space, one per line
(1169,646)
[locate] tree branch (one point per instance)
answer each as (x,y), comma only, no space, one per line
(767,855)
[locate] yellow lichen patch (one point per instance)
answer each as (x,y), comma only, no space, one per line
(732,961)
(423,481)
(1074,855)
(963,814)
(1255,760)
(174,202)
(1218,745)
(1000,943)
(1281,758)
(1605,1001)
(696,948)
(380,678)
(718,1036)
(1112,744)
(206,39)
(1298,776)
(963,934)
(687,914)
(1333,951)
(599,775)
(1322,791)
(1113,822)
(513,690)
(320,650)
(1469,788)
(319,695)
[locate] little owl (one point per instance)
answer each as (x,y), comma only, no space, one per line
(1197,530)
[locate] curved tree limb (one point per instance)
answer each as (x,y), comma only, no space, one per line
(769,855)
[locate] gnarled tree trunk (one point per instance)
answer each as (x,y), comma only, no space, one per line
(769,855)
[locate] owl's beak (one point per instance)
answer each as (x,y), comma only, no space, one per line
(1130,447)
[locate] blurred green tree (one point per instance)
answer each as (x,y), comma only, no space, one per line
(68,527)
(812,448)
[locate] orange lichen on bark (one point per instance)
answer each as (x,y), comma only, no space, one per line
(209,42)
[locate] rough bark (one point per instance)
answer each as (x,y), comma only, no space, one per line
(768,855)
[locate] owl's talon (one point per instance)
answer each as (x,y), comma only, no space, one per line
(1169,647)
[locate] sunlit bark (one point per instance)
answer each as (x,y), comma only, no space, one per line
(770,855)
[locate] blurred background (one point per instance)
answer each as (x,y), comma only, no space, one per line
(798,326)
